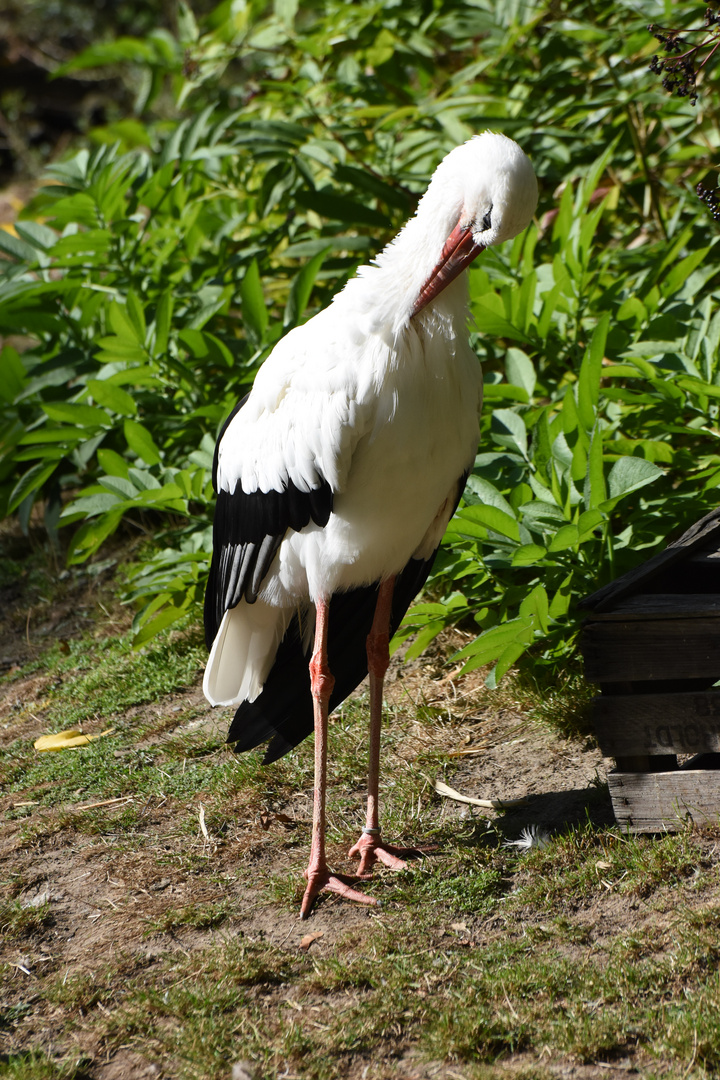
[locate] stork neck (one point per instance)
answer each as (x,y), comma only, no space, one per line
(386,292)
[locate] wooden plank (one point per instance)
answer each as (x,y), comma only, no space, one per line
(664,606)
(664,802)
(654,649)
(704,534)
(629,724)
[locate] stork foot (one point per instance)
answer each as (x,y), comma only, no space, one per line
(321,880)
(370,849)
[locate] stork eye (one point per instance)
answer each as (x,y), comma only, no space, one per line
(486,222)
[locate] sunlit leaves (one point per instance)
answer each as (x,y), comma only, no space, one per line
(147,285)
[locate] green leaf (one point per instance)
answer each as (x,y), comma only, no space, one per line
(83,244)
(595,493)
(112,397)
(504,392)
(590,374)
(560,603)
(680,273)
(38,236)
(141,442)
(13,374)
(588,522)
(492,323)
(124,325)
(40,436)
(487,493)
(167,616)
(488,516)
(254,312)
(91,505)
(508,429)
(491,644)
(301,289)
(112,463)
(136,315)
(510,654)
(144,480)
(163,317)
(188,31)
(519,370)
(120,50)
(29,482)
(630,473)
(90,536)
(567,536)
(15,247)
(286,10)
(374,185)
(121,486)
(205,346)
(528,555)
(535,605)
(86,416)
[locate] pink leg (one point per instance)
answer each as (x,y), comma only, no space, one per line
(370,848)
(318,876)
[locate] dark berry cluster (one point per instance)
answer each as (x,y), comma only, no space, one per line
(711,198)
(682,63)
(678,75)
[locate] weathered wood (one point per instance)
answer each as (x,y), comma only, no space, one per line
(650,650)
(664,802)
(663,606)
(630,724)
(703,534)
(657,628)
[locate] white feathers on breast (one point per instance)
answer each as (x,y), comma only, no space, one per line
(413,432)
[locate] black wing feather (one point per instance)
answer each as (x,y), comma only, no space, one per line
(283,711)
(248,528)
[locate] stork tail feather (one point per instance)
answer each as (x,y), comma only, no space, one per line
(242,652)
(283,711)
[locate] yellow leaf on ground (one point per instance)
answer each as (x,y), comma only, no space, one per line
(61,740)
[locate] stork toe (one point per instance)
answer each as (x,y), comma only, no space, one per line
(370,849)
(321,880)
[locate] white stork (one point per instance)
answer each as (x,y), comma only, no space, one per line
(337,475)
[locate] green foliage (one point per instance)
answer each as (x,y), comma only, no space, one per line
(610,446)
(147,285)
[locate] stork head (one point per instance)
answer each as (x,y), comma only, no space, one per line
(482,193)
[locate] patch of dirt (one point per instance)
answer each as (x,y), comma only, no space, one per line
(128,1066)
(42,603)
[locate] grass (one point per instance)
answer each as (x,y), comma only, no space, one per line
(463,1004)
(92,678)
(17,921)
(31,1065)
(193,916)
(184,948)
(629,865)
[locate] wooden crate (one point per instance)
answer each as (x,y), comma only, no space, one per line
(665,801)
(652,643)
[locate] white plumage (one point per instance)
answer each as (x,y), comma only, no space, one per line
(343,466)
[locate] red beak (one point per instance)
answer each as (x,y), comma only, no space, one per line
(458,252)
